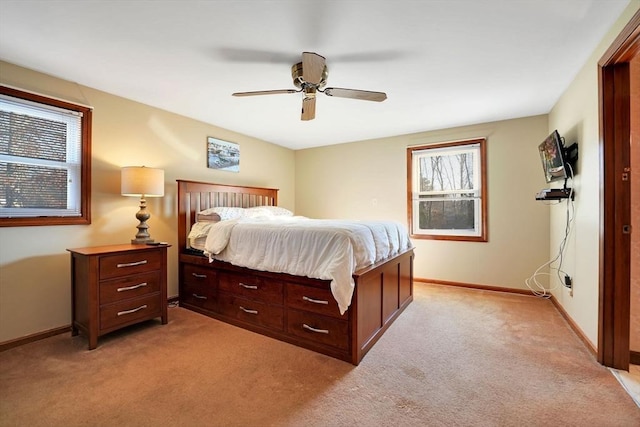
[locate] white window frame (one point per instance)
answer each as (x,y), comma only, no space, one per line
(476,147)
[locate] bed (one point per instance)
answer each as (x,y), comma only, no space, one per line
(293,308)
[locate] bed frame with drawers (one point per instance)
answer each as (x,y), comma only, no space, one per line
(294,309)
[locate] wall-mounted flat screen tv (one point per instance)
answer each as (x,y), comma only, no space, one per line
(552,156)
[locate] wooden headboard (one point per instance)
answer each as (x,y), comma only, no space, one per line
(194,196)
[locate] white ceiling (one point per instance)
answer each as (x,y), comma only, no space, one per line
(442,63)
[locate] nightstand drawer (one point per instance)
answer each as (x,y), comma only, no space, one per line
(129,263)
(129,287)
(130,311)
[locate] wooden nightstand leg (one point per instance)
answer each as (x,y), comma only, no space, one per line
(164,316)
(93,342)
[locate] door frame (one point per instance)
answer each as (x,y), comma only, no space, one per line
(615,196)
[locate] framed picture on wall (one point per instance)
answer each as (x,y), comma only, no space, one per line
(223,155)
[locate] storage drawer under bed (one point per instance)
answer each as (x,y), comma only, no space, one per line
(317,300)
(251,311)
(252,287)
(200,294)
(319,329)
(198,287)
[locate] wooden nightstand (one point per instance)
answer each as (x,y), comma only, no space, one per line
(116,286)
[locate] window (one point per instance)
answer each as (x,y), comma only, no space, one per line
(45,160)
(448,191)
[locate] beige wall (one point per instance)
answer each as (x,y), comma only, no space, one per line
(368,180)
(34,264)
(575,115)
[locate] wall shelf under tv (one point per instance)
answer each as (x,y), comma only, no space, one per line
(555,194)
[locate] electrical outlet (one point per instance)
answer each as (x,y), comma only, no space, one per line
(568,283)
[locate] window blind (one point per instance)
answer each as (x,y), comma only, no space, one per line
(40,159)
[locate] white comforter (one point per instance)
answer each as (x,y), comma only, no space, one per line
(323,249)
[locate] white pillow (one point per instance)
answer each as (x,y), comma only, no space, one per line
(223,213)
(272,210)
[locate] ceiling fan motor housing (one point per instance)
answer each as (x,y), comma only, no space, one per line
(299,82)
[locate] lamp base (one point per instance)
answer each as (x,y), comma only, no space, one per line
(141,241)
(142,236)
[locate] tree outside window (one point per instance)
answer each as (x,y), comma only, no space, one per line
(447,190)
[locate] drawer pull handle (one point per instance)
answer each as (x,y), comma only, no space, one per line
(142,307)
(199,296)
(130,288)
(132,264)
(246,310)
(315,301)
(319,331)
(199,276)
(247,286)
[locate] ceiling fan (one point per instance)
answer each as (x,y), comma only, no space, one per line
(310,77)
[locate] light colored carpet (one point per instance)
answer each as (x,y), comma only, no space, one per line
(456,357)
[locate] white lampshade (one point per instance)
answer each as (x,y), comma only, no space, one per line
(142,181)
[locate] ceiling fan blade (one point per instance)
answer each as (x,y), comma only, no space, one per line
(312,67)
(265,92)
(308,108)
(365,95)
(255,56)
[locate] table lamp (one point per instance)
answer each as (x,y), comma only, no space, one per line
(142,182)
